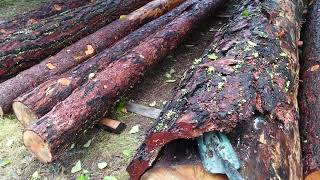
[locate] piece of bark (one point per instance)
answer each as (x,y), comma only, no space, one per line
(42,99)
(112,125)
(27,47)
(46,10)
(143,110)
(49,137)
(84,49)
(247,72)
(309,94)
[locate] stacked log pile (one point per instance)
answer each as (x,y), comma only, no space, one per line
(49,136)
(246,85)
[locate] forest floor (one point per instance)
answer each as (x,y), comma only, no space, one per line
(115,150)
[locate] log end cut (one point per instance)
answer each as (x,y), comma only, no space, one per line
(24,114)
(37,146)
(313,176)
(1,112)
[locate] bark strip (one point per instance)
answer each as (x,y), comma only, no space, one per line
(39,101)
(44,11)
(80,51)
(250,71)
(27,47)
(309,95)
(49,137)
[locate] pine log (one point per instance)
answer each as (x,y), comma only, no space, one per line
(49,137)
(82,50)
(27,47)
(46,10)
(248,71)
(36,103)
(309,96)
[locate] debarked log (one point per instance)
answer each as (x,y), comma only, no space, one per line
(27,47)
(309,95)
(39,101)
(80,51)
(46,10)
(49,137)
(250,70)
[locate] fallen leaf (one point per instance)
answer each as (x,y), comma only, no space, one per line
(110,178)
(87,144)
(51,66)
(134,129)
(123,17)
(127,153)
(72,146)
(64,81)
(245,13)
(83,177)
(170,81)
(120,107)
(283,54)
(314,68)
(89,50)
(212,56)
(252,43)
(168,75)
(77,167)
(9,142)
(102,165)
(91,75)
(35,176)
(4,162)
(255,54)
(153,104)
(57,7)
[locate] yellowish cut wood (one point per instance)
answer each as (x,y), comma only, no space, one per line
(24,114)
(313,176)
(36,144)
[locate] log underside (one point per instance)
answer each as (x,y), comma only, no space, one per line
(248,73)
(85,106)
(309,96)
(44,97)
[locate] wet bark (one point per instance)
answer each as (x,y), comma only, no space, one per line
(24,48)
(46,10)
(86,105)
(43,98)
(80,51)
(250,70)
(309,96)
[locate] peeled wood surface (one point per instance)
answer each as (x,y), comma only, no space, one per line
(80,51)
(27,47)
(46,10)
(86,105)
(43,98)
(250,70)
(309,97)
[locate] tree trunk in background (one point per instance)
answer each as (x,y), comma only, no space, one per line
(43,98)
(27,47)
(48,137)
(78,52)
(309,96)
(250,71)
(46,10)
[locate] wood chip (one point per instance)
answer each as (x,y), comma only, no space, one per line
(64,81)
(89,50)
(314,68)
(57,7)
(51,66)
(32,21)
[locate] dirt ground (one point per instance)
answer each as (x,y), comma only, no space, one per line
(116,150)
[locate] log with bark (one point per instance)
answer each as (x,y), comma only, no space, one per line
(42,99)
(247,80)
(84,49)
(49,137)
(27,47)
(309,97)
(46,10)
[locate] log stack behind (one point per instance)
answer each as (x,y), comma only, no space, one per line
(309,95)
(245,85)
(50,136)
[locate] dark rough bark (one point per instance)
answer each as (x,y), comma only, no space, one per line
(44,11)
(86,105)
(80,51)
(43,98)
(309,95)
(29,46)
(250,70)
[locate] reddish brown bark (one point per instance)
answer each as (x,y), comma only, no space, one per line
(44,11)
(30,45)
(309,96)
(249,72)
(80,51)
(42,99)
(48,137)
